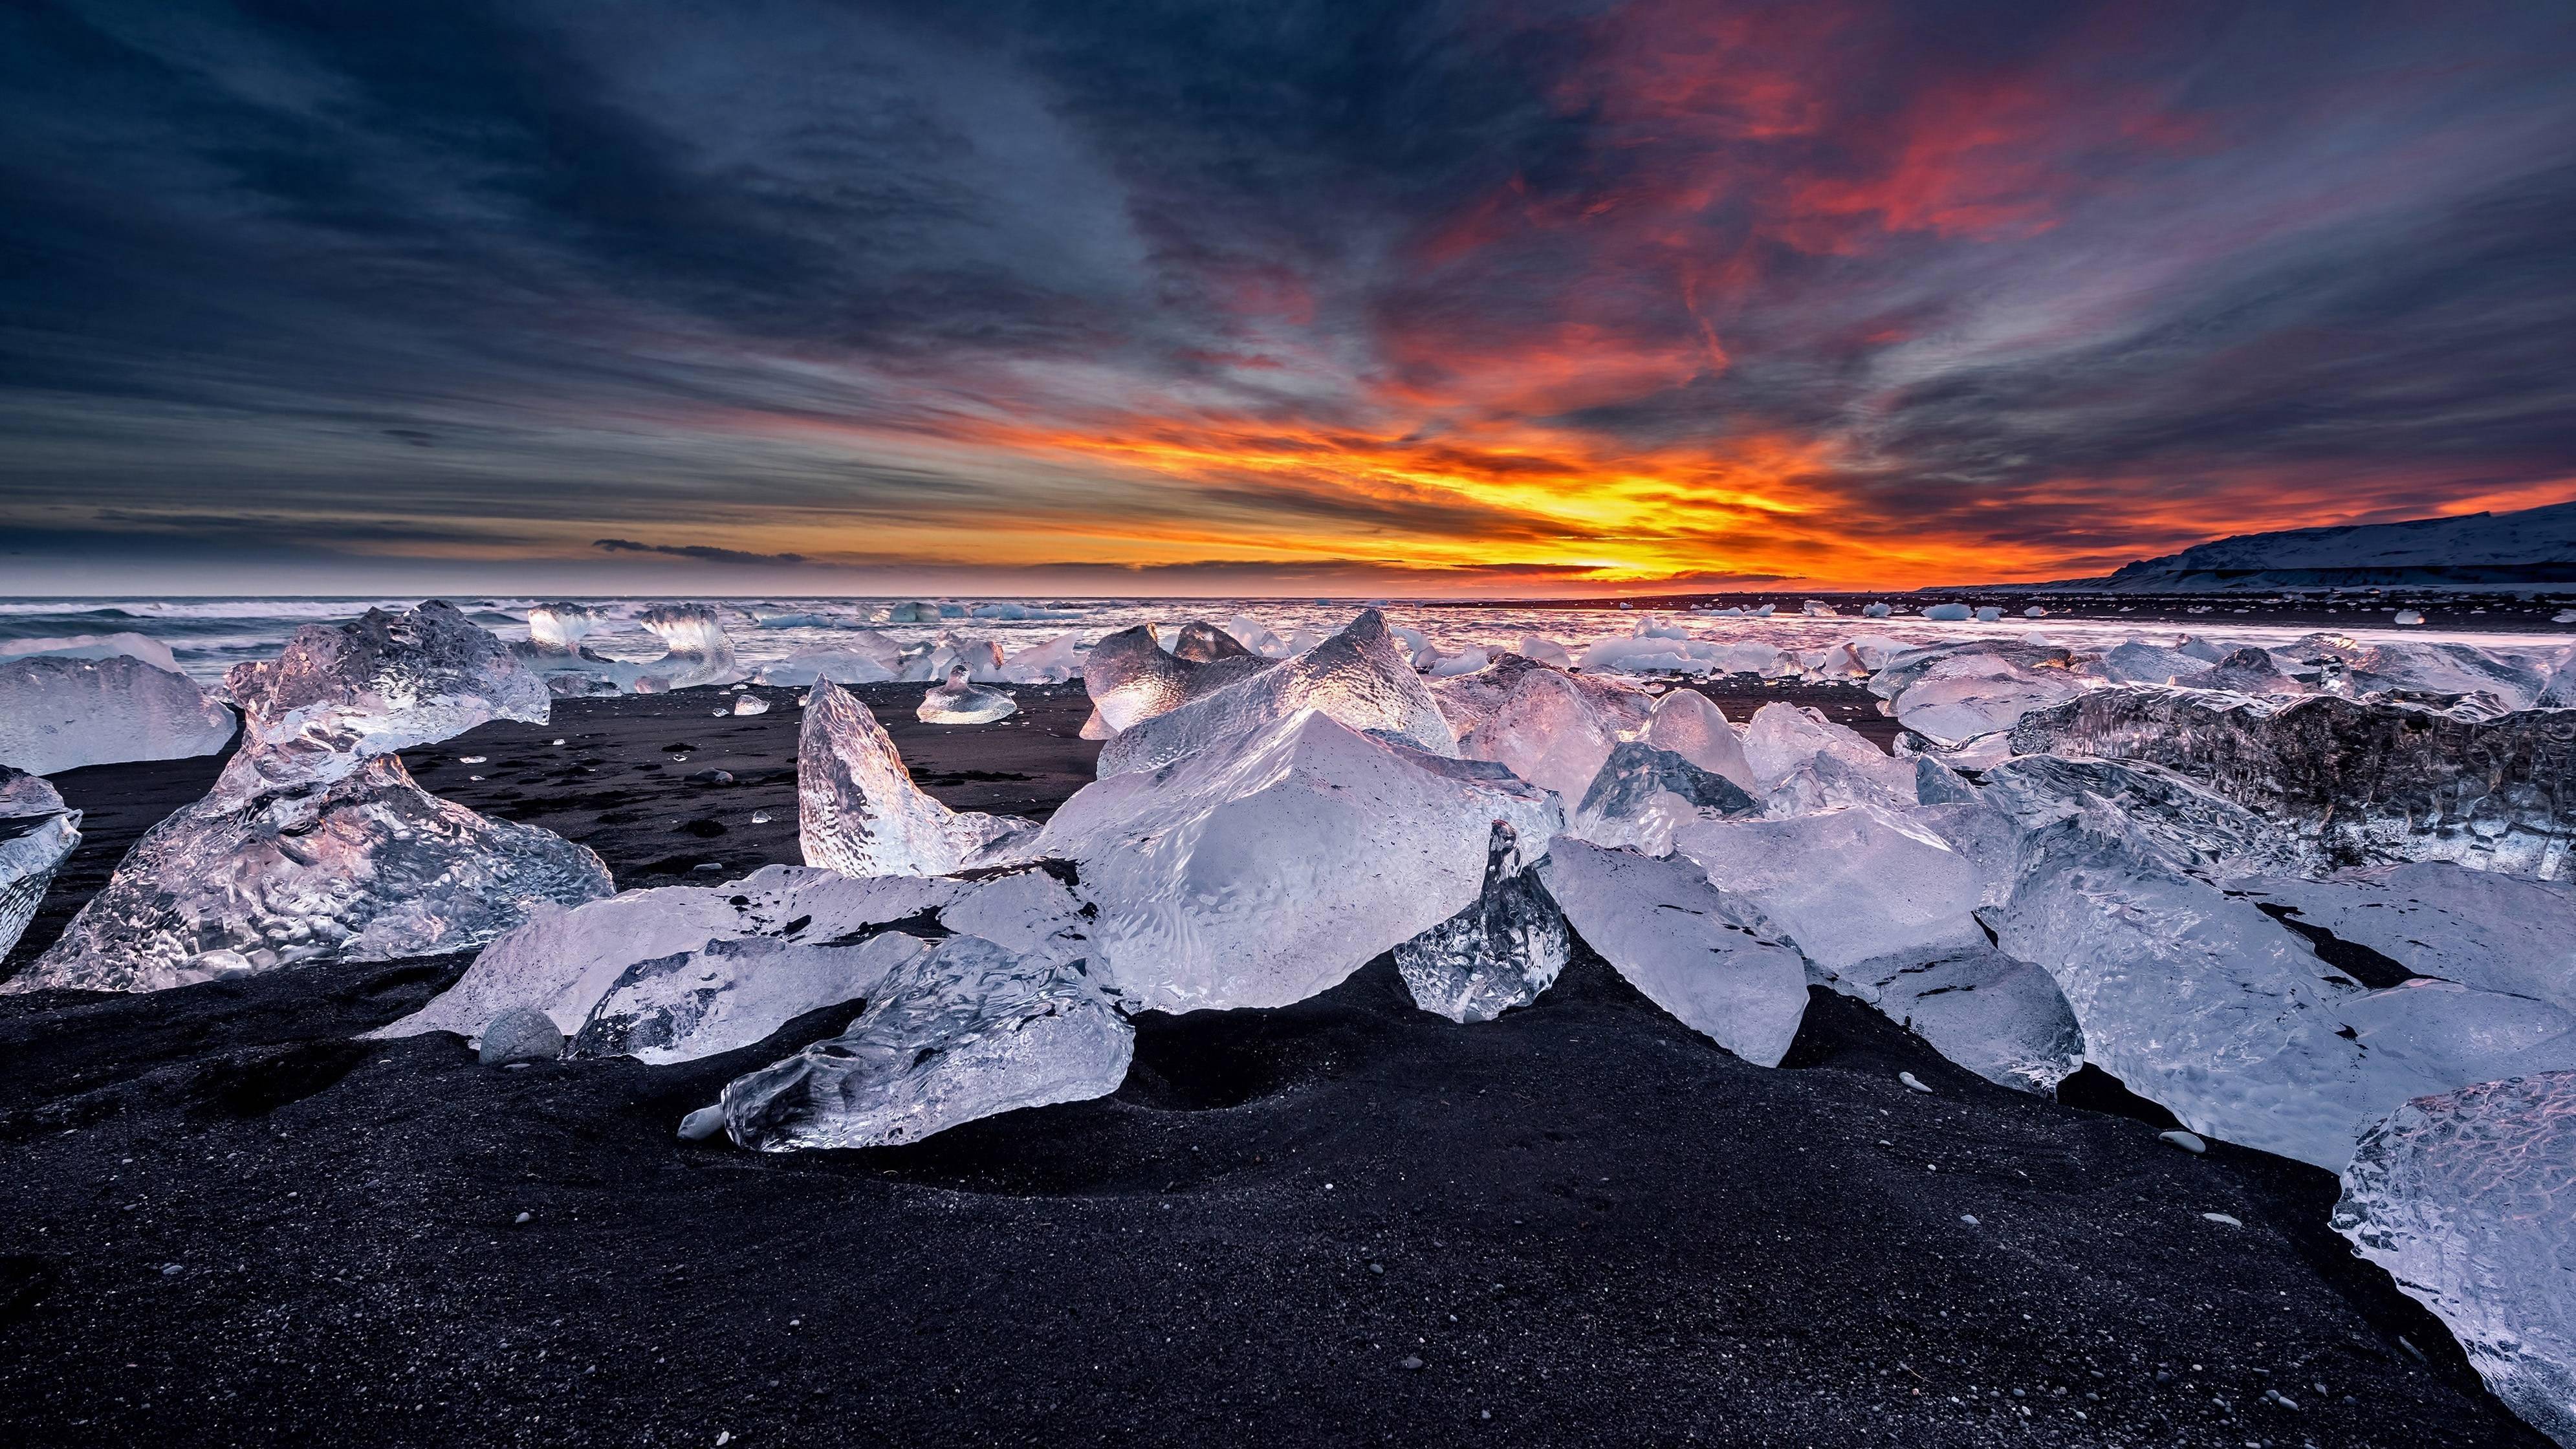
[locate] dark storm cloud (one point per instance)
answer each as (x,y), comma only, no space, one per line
(2080,280)
(700,552)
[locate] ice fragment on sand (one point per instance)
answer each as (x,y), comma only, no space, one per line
(730,993)
(1053,662)
(1547,733)
(962,1031)
(697,650)
(1132,678)
(2468,1199)
(342,694)
(958,702)
(858,811)
(1708,957)
(1267,868)
(1690,725)
(1846,885)
(36,836)
(61,712)
(750,704)
(1545,651)
(1505,948)
(1972,694)
(2001,1018)
(1356,677)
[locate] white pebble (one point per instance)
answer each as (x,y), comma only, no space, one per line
(2223,1218)
(1909,1079)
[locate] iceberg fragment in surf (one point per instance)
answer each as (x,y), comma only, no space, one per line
(858,811)
(60,712)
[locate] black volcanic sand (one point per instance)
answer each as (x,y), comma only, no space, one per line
(223,1221)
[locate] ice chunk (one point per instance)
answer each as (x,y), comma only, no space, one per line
(1971,694)
(913,611)
(1687,723)
(1204,643)
(1846,885)
(2368,784)
(1356,677)
(1642,795)
(861,656)
(958,702)
(962,1031)
(1876,611)
(750,704)
(1270,866)
(1946,613)
(1053,662)
(2558,689)
(1990,614)
(1505,948)
(559,628)
(59,713)
(361,866)
(1256,636)
(1465,661)
(1651,654)
(2468,1199)
(97,646)
(1131,678)
(2246,671)
(1708,957)
(2493,932)
(1787,747)
(1548,734)
(2426,667)
(2138,662)
(2002,1018)
(342,694)
(2410,616)
(1817,609)
(1545,651)
(2186,824)
(858,811)
(1470,701)
(697,650)
(563,961)
(36,836)
(731,993)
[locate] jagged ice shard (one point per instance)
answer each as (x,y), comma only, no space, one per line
(961,702)
(2367,784)
(36,835)
(1847,884)
(1709,958)
(1131,678)
(1687,723)
(1642,795)
(1262,870)
(858,811)
(61,712)
(964,1030)
(314,844)
(1505,948)
(1356,677)
(2468,1199)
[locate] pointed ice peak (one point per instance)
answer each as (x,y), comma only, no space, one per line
(1501,951)
(1132,678)
(1357,677)
(958,702)
(858,811)
(1204,643)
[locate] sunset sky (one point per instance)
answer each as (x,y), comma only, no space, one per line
(1527,298)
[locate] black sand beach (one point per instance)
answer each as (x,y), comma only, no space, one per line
(1342,1222)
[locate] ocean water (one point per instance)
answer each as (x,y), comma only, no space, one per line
(209,636)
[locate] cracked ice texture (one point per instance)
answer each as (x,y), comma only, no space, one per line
(1267,868)
(343,693)
(361,866)
(1846,885)
(1547,733)
(2199,1001)
(960,702)
(2368,784)
(1505,948)
(1708,957)
(1131,678)
(1970,694)
(1805,763)
(59,713)
(858,812)
(36,835)
(728,994)
(2468,1199)
(2187,824)
(962,1031)
(1356,676)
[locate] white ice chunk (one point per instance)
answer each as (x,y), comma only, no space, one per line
(1876,611)
(858,811)
(1470,701)
(2002,1018)
(1357,677)
(1252,634)
(36,836)
(97,646)
(1846,885)
(342,694)
(1465,661)
(1990,614)
(1690,725)
(1545,651)
(1968,695)
(1053,662)
(958,702)
(1505,948)
(1548,734)
(750,704)
(1708,957)
(1262,870)
(60,713)
(2468,1199)
(1946,613)
(1803,761)
(1132,678)
(860,656)
(698,651)
(729,994)
(962,1031)
(2138,662)
(1642,795)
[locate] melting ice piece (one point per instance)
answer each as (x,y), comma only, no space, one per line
(559,628)
(2138,662)
(1690,725)
(1973,694)
(362,866)
(1356,677)
(97,646)
(729,994)
(1204,643)
(36,835)
(563,961)
(1706,956)
(860,656)
(2368,784)
(1269,867)
(2489,931)
(962,1031)
(958,702)
(1131,678)
(858,812)
(2199,1001)
(2468,1199)
(699,653)
(59,713)
(1469,702)
(1465,661)
(1547,733)
(1505,948)
(2002,1018)
(750,704)
(1256,636)
(1053,662)
(2185,823)
(341,694)
(1643,794)
(1846,884)
(1783,743)
(1946,613)
(1545,651)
